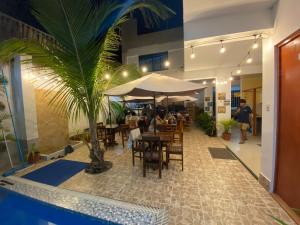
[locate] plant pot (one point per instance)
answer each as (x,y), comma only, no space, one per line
(30,158)
(226,136)
(36,157)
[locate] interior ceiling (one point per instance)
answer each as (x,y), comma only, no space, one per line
(209,56)
(195,9)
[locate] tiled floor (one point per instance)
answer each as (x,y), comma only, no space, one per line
(208,191)
(249,152)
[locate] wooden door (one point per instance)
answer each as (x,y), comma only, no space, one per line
(287,184)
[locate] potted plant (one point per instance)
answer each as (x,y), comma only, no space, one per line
(227,125)
(206,123)
(33,155)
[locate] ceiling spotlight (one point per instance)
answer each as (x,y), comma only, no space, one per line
(107,76)
(167,63)
(125,73)
(231,79)
(249,59)
(223,49)
(204,82)
(239,71)
(144,69)
(193,55)
(222,83)
(255,45)
(225,82)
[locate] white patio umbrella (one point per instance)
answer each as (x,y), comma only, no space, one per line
(176,99)
(155,85)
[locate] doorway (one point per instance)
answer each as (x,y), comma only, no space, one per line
(287,183)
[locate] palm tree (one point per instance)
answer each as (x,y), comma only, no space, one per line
(82,55)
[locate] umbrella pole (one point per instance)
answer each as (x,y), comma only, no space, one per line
(154,114)
(167,104)
(109,112)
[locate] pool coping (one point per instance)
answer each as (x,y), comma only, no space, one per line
(102,208)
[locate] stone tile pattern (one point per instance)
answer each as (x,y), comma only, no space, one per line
(52,128)
(208,191)
(103,208)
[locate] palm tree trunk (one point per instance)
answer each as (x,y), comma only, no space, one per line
(97,164)
(96,154)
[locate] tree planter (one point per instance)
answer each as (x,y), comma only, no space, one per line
(33,157)
(226,136)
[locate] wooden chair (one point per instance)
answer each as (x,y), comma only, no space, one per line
(124,133)
(104,135)
(180,126)
(166,145)
(136,148)
(176,148)
(152,153)
(166,128)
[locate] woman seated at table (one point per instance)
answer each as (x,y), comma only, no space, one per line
(158,122)
(170,118)
(133,120)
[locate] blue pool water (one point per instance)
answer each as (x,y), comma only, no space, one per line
(17,209)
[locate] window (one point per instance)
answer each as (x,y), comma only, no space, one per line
(154,62)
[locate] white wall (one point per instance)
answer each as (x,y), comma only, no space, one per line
(29,100)
(287,21)
(134,45)
(228,24)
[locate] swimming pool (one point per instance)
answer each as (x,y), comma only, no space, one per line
(17,209)
(24,202)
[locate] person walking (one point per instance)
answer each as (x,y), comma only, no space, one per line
(244,116)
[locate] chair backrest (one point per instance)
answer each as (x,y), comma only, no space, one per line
(134,134)
(180,125)
(101,131)
(124,129)
(151,143)
(166,127)
(178,137)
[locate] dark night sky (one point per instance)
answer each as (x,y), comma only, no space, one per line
(20,9)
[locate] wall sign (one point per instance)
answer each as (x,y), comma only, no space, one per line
(221,109)
(221,96)
(227,102)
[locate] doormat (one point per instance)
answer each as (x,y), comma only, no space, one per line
(57,172)
(221,153)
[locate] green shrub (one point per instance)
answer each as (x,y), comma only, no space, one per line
(206,123)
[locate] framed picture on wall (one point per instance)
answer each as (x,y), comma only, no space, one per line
(221,109)
(227,102)
(207,99)
(221,96)
(207,109)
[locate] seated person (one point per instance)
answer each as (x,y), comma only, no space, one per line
(158,122)
(133,120)
(170,118)
(127,118)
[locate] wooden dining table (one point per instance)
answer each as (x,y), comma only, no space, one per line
(165,139)
(111,129)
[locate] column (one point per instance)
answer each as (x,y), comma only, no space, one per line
(223,101)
